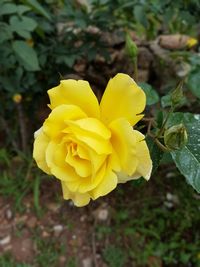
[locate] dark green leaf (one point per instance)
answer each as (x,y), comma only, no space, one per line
(155,152)
(140,15)
(194,83)
(22,9)
(23,26)
(36,6)
(5,32)
(8,8)
(151,94)
(187,159)
(27,55)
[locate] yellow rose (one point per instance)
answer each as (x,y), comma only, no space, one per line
(92,147)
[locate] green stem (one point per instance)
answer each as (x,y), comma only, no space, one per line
(135,70)
(161,131)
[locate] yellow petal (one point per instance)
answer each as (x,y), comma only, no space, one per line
(39,149)
(55,123)
(108,184)
(123,177)
(122,98)
(78,199)
(76,93)
(123,141)
(142,153)
(81,166)
(89,183)
(89,138)
(55,158)
(94,126)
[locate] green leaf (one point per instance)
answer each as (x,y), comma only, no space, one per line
(27,55)
(155,152)
(22,9)
(7,9)
(5,32)
(151,94)
(37,7)
(140,15)
(23,26)
(187,159)
(194,83)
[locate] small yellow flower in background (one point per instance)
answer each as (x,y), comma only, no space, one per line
(91,147)
(191,42)
(17,98)
(30,42)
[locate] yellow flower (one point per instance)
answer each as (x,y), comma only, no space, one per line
(30,42)
(17,98)
(191,42)
(92,147)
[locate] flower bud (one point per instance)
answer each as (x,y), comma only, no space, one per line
(175,137)
(17,98)
(177,95)
(131,47)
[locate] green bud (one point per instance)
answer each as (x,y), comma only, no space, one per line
(175,137)
(177,95)
(131,47)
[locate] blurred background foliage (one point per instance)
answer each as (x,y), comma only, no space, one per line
(43,41)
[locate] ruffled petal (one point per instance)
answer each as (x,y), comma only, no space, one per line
(76,93)
(108,183)
(122,98)
(95,140)
(78,199)
(123,141)
(39,149)
(55,123)
(142,152)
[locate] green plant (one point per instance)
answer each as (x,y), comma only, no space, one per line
(48,252)
(7,261)
(114,256)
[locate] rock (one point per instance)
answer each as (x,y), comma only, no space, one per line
(172,198)
(8,214)
(62,259)
(45,234)
(31,223)
(53,206)
(87,262)
(4,241)
(174,41)
(102,214)
(58,229)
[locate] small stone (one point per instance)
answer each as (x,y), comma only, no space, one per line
(168,204)
(32,222)
(62,259)
(87,262)
(102,214)
(4,241)
(7,248)
(9,214)
(83,218)
(45,234)
(73,236)
(58,229)
(172,198)
(53,207)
